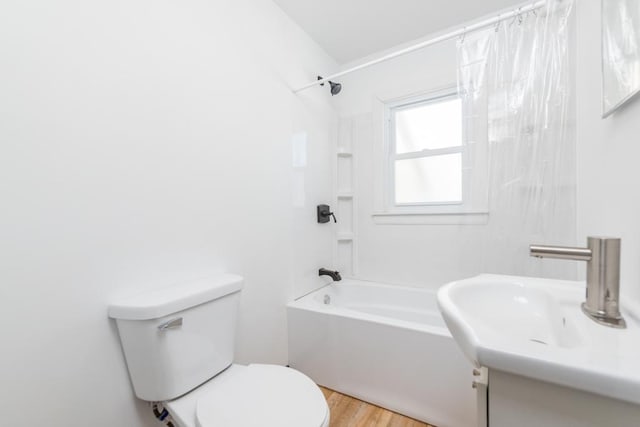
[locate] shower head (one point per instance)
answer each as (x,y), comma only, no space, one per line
(335,87)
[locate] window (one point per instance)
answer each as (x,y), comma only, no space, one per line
(433,158)
(426,151)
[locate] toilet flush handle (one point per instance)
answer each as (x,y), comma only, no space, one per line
(171,324)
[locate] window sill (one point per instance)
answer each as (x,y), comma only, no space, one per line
(419,218)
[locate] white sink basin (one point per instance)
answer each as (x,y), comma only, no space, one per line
(535,328)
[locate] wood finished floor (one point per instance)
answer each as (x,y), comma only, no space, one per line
(347,411)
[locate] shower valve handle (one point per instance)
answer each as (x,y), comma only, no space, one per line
(324,214)
(329,215)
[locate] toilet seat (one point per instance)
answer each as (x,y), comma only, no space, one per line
(264,396)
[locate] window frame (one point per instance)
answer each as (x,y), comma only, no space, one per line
(442,207)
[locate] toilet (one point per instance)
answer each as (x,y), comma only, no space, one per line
(178,343)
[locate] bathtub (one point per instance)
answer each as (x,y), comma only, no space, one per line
(383,344)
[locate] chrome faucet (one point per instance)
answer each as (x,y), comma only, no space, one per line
(603,276)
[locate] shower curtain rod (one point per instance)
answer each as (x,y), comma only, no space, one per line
(450,35)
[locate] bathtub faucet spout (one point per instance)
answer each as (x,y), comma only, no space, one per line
(333,274)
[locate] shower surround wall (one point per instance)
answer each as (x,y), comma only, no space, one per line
(418,254)
(403,250)
(143,143)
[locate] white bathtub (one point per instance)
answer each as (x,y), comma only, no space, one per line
(384,344)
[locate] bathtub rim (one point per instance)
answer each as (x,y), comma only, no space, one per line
(306,302)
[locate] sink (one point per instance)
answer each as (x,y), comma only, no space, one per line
(497,309)
(535,328)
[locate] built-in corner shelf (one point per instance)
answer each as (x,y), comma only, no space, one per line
(344,184)
(344,237)
(345,195)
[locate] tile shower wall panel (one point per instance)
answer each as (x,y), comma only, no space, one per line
(345,257)
(345,174)
(345,136)
(312,242)
(345,212)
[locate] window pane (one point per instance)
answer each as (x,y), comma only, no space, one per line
(429,179)
(430,126)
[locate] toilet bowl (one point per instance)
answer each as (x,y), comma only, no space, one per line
(178,344)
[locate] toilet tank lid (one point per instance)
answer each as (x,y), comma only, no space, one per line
(162,302)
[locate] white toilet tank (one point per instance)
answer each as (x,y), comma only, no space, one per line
(177,338)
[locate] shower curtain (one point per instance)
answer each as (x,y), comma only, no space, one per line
(516,79)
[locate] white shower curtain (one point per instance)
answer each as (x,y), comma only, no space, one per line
(516,79)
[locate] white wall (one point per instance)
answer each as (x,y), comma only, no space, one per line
(144,143)
(608,153)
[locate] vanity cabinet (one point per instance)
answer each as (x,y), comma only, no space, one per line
(516,401)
